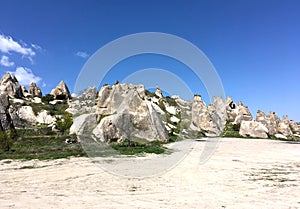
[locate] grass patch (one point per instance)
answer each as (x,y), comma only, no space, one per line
(42,148)
(231,130)
(128,147)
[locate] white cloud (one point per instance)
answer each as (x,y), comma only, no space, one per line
(37,47)
(7,45)
(25,76)
(5,61)
(82,54)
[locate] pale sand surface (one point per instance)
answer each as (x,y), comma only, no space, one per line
(242,173)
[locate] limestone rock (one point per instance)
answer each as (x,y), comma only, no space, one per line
(6,122)
(243,114)
(158,92)
(10,85)
(131,115)
(91,93)
(237,113)
(44,118)
(294,127)
(284,127)
(108,131)
(210,119)
(83,124)
(26,113)
(34,90)
(280,136)
(85,103)
(61,91)
(253,129)
(271,121)
(171,110)
(231,109)
(17,122)
(25,92)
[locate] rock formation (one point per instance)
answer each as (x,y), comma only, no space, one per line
(126,114)
(34,90)
(208,119)
(127,111)
(84,103)
(294,127)
(6,122)
(61,91)
(253,129)
(284,127)
(271,121)
(237,113)
(10,85)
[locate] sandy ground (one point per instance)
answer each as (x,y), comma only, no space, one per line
(241,174)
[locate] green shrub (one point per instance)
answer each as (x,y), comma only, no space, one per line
(129,147)
(64,123)
(47,98)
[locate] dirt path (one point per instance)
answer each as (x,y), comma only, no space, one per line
(241,174)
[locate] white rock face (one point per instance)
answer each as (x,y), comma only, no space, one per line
(271,121)
(211,119)
(130,115)
(10,85)
(294,127)
(36,100)
(171,110)
(284,127)
(83,124)
(253,129)
(34,90)
(174,119)
(61,91)
(45,118)
(237,113)
(26,113)
(85,103)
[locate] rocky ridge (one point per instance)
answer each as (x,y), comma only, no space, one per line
(127,111)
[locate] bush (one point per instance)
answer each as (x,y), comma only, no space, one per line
(47,98)
(64,123)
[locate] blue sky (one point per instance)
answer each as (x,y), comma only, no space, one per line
(254,45)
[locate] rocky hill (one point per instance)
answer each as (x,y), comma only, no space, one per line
(126,111)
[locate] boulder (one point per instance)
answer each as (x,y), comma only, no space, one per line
(280,136)
(10,85)
(126,113)
(26,113)
(34,90)
(61,92)
(253,129)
